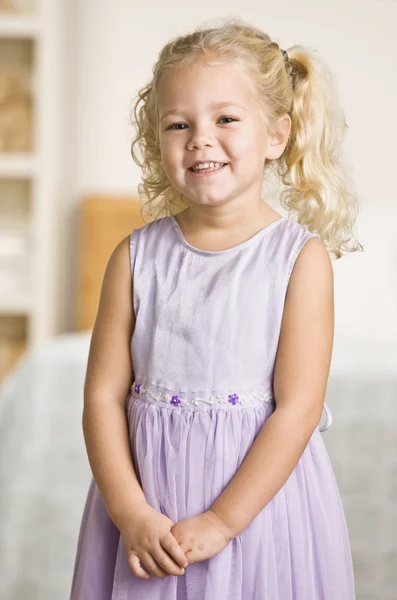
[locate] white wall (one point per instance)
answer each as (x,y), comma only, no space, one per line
(112,48)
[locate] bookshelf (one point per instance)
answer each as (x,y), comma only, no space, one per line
(31,55)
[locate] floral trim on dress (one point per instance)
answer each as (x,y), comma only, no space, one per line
(152,392)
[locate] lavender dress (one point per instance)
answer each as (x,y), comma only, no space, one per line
(203,353)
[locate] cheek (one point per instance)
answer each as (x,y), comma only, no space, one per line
(242,144)
(167,157)
(249,148)
(169,154)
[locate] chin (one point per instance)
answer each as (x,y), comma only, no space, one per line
(213,201)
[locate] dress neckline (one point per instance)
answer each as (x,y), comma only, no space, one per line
(247,242)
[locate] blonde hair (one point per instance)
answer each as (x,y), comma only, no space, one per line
(318,189)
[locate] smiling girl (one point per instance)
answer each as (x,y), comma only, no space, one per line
(211,349)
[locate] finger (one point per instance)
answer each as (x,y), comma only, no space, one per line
(185,546)
(152,566)
(170,544)
(136,568)
(166,562)
(191,557)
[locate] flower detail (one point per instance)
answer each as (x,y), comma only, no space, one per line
(233,398)
(160,395)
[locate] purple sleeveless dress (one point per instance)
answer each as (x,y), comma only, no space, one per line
(203,353)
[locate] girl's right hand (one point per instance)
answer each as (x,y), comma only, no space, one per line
(147,539)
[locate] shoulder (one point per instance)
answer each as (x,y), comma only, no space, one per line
(148,234)
(305,251)
(310,252)
(120,254)
(116,282)
(125,246)
(154,226)
(311,271)
(118,274)
(313,263)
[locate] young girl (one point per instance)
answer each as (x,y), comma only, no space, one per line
(212,345)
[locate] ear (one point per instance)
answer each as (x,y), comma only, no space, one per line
(278,141)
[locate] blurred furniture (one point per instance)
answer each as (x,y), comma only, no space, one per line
(31,161)
(44,470)
(362,444)
(103,222)
(12,343)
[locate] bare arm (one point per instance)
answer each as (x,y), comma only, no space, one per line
(300,380)
(108,379)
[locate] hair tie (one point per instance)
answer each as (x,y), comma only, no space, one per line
(285,54)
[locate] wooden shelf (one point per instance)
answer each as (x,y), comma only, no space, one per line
(33,43)
(15,306)
(25,27)
(17,165)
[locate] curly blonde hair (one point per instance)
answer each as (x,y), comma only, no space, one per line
(318,190)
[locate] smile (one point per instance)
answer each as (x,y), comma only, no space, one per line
(207,169)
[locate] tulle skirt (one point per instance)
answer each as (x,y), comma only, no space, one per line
(296,548)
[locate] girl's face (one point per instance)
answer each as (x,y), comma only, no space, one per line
(210,114)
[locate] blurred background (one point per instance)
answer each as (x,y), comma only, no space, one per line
(69,72)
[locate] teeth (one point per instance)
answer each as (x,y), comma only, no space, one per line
(208,165)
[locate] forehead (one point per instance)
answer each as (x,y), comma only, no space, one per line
(203,85)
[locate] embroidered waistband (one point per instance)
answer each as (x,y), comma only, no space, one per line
(225,399)
(155,394)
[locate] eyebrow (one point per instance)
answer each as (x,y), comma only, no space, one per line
(213,105)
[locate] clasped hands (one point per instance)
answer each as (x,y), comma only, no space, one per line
(157,546)
(202,536)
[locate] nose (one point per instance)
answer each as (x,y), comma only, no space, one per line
(200,139)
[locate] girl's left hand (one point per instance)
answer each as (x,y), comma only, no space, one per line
(202,536)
